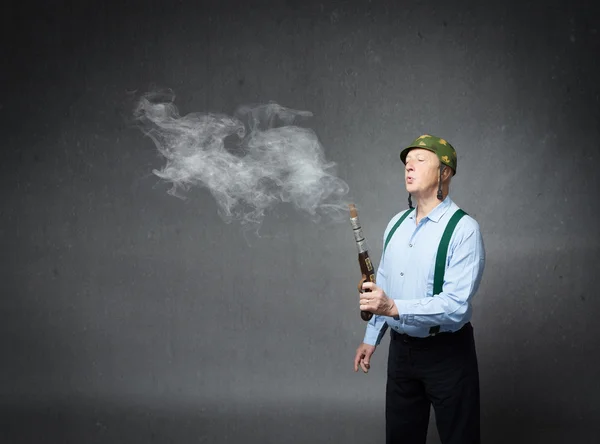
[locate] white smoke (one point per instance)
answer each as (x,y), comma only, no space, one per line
(267,161)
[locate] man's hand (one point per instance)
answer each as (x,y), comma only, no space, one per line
(376,301)
(363,357)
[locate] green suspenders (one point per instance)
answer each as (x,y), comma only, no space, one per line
(442,253)
(390,234)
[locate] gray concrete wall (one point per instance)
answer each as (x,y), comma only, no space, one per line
(128,315)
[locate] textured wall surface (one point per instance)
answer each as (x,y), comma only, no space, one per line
(128,315)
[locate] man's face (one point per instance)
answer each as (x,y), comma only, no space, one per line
(422,172)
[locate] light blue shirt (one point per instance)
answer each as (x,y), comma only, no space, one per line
(406,270)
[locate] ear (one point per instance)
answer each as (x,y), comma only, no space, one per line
(446,173)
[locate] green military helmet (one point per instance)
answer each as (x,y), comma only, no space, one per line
(442,149)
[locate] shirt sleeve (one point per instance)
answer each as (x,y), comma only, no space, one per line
(464,270)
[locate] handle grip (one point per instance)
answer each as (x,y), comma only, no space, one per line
(366,315)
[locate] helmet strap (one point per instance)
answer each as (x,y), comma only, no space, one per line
(410,205)
(439,193)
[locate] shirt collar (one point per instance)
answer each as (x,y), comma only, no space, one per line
(436,214)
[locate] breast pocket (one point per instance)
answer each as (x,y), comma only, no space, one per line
(381,276)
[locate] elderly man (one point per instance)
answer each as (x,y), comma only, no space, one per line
(430,270)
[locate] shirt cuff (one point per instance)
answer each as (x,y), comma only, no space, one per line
(371,337)
(404,316)
(374,336)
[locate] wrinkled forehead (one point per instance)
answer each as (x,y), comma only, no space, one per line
(420,153)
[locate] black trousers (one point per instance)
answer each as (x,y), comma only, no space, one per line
(442,371)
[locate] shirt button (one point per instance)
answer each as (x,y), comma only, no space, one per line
(410,245)
(401,274)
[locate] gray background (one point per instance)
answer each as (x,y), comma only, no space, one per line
(128,315)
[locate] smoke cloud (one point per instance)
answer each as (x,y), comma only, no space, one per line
(249,162)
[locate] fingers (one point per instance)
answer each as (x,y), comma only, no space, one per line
(363,362)
(368,285)
(373,299)
(360,283)
(357,359)
(363,357)
(366,304)
(364,365)
(369,301)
